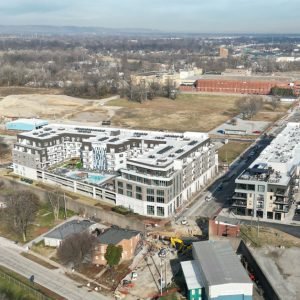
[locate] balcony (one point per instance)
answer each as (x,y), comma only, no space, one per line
(282,208)
(281,193)
(239,203)
(282,200)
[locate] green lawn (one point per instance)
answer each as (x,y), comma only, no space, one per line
(17,287)
(229,152)
(44,222)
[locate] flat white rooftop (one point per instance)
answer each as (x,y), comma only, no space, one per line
(282,155)
(167,146)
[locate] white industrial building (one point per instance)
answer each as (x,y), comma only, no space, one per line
(216,273)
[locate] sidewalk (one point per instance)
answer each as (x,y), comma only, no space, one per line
(288,221)
(66,270)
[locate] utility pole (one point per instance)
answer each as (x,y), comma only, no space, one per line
(161,277)
(165,273)
(65,204)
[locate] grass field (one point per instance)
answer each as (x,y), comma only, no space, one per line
(269,115)
(187,112)
(229,152)
(267,236)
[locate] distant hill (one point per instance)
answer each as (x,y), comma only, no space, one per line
(72,30)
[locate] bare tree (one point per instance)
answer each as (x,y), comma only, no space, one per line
(76,248)
(4,148)
(275,102)
(55,198)
(21,210)
(249,105)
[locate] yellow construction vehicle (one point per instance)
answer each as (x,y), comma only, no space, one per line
(179,244)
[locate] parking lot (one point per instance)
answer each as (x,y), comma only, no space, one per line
(241,127)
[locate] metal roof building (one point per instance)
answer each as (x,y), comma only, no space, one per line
(218,270)
(25,124)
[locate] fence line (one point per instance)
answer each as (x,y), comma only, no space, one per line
(11,279)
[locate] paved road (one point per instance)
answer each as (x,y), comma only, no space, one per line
(201,208)
(54,280)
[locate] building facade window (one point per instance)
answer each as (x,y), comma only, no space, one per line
(150,198)
(138,196)
(261,188)
(160,211)
(160,200)
(150,210)
(138,189)
(150,191)
(120,184)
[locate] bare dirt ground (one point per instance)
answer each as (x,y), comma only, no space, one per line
(53,107)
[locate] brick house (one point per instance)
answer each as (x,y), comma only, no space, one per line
(128,239)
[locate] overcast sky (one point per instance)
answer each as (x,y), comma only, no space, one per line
(256,16)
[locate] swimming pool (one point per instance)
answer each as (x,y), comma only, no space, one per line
(87,177)
(95,178)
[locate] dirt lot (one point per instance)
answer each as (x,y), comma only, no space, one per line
(187,112)
(43,106)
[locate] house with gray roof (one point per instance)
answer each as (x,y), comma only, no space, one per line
(57,235)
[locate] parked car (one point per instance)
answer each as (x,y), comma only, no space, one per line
(220,187)
(162,252)
(221,131)
(208,198)
(184,221)
(256,132)
(134,276)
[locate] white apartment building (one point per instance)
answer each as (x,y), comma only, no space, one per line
(152,173)
(266,189)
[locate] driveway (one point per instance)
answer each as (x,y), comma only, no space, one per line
(54,280)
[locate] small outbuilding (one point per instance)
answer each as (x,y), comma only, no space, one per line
(25,124)
(56,236)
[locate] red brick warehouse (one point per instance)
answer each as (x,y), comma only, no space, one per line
(240,86)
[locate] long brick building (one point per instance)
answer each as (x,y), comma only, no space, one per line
(241,85)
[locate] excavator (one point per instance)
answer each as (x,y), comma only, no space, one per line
(180,245)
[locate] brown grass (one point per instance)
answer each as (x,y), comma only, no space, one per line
(188,112)
(18,90)
(268,236)
(193,112)
(268,114)
(229,152)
